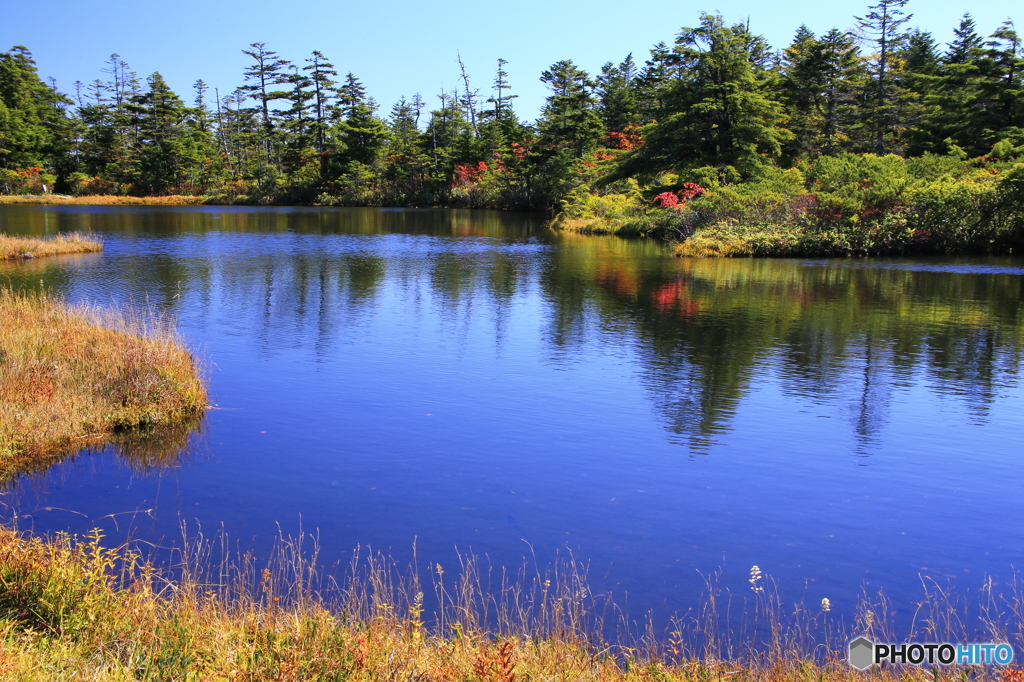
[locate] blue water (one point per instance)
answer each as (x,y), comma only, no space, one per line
(470,382)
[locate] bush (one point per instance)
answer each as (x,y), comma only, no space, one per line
(862,185)
(57,588)
(31,180)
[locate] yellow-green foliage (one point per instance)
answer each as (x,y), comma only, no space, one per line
(863,205)
(850,184)
(1005,150)
(611,206)
(732,239)
(53,588)
(68,373)
(26,247)
(73,610)
(952,210)
(33,180)
(585,210)
(761,198)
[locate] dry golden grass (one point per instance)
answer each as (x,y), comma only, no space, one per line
(71,374)
(105,200)
(71,609)
(28,247)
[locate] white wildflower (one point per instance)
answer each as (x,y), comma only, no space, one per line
(755,577)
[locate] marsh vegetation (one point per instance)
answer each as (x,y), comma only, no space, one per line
(74,373)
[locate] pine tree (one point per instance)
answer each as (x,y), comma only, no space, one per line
(954,97)
(406,164)
(360,135)
(820,79)
(402,125)
(800,84)
(34,126)
(320,73)
(502,102)
(208,167)
(450,136)
(654,82)
(882,26)
(298,129)
(964,43)
(110,139)
(1002,85)
(262,77)
(617,95)
(569,121)
(918,77)
(499,126)
(721,113)
(165,153)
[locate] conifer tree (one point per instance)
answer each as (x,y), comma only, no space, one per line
(965,41)
(821,77)
(721,112)
(165,152)
(882,27)
(1001,86)
(406,163)
(502,102)
(569,121)
(917,78)
(617,95)
(654,82)
(359,133)
(263,78)
(320,72)
(953,97)
(298,130)
(34,127)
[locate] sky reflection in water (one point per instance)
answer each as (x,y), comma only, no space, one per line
(472,381)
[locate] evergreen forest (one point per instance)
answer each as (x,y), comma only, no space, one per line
(879,139)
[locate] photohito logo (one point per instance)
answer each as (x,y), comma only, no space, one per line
(864,653)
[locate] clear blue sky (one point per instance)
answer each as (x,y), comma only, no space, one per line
(402,47)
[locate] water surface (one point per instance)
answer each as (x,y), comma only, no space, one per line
(470,381)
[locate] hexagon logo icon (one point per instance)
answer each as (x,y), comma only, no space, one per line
(862,653)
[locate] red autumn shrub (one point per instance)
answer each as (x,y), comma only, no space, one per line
(666,200)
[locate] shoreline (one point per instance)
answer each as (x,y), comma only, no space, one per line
(847,205)
(727,238)
(72,605)
(200,200)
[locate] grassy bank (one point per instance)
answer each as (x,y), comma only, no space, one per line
(105,200)
(847,205)
(27,247)
(73,610)
(72,374)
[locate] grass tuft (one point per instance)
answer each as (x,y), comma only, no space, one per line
(72,374)
(28,247)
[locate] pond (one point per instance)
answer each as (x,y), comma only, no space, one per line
(471,382)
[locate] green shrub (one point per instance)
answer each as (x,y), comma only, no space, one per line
(57,587)
(852,184)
